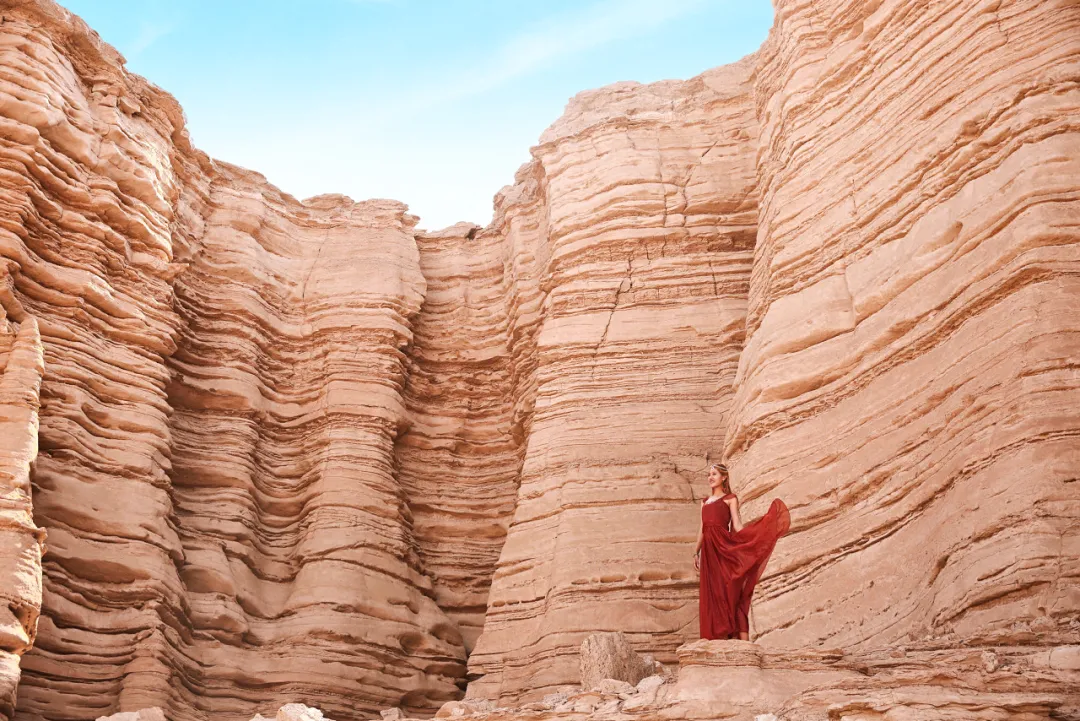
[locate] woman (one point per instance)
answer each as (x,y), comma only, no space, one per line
(730,557)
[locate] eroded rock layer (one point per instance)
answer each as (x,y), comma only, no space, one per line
(86,227)
(300,451)
(458,463)
(296,553)
(222,389)
(908,383)
(21,367)
(647,196)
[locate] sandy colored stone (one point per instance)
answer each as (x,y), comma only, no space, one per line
(609,657)
(299,712)
(146,714)
(21,541)
(742,681)
(459,457)
(907,382)
(644,277)
(302,449)
(223,387)
(615,687)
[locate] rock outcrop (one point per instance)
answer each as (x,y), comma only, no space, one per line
(21,541)
(222,389)
(610,657)
(645,197)
(302,451)
(907,383)
(743,681)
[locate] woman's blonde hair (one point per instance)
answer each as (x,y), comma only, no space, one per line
(727,475)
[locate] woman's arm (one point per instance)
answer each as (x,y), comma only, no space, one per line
(736,521)
(697,546)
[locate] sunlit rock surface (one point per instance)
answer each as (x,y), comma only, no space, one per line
(645,202)
(909,378)
(223,376)
(20,540)
(301,451)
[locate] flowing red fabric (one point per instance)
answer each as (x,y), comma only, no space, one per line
(732,563)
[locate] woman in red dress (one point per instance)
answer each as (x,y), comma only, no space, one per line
(730,557)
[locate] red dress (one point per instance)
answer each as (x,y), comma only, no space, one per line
(731,564)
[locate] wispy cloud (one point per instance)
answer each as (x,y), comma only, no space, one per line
(149,33)
(556,40)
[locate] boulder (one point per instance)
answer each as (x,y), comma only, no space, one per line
(299,712)
(146,714)
(452,709)
(610,656)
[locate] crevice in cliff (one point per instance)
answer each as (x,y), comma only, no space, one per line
(625,286)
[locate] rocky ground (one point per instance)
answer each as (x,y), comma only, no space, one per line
(743,681)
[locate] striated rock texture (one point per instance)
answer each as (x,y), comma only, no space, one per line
(21,542)
(302,451)
(458,461)
(908,383)
(296,550)
(222,390)
(743,681)
(643,201)
(85,232)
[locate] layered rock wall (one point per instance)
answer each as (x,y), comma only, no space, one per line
(223,377)
(301,451)
(21,546)
(647,195)
(459,460)
(298,565)
(908,383)
(86,227)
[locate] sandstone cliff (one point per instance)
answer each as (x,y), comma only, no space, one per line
(302,451)
(912,331)
(20,539)
(648,213)
(223,378)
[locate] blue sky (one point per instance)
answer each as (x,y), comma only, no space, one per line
(434,103)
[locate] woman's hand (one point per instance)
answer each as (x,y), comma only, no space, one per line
(697,561)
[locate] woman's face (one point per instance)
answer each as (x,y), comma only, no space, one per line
(716,478)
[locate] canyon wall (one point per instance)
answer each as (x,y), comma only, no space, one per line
(909,378)
(298,566)
(302,451)
(459,459)
(85,233)
(21,546)
(223,377)
(647,195)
